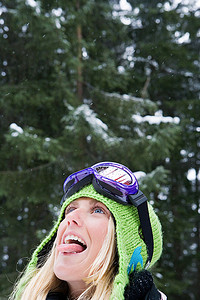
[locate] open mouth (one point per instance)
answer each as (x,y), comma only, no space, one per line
(72,244)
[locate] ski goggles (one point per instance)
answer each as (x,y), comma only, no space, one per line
(116,182)
(113,180)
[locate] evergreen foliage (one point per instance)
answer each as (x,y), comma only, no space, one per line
(84,81)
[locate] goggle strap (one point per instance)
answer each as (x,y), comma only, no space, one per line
(137,199)
(146,230)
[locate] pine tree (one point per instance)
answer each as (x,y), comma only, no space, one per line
(79,86)
(166,58)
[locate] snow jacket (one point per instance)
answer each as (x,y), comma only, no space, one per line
(140,287)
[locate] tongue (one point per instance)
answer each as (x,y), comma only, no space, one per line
(70,248)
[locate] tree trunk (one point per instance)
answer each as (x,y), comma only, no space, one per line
(79,67)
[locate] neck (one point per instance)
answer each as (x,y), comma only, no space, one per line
(76,288)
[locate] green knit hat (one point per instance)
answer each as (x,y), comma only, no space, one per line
(127,234)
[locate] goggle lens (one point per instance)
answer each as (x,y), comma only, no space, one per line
(115,174)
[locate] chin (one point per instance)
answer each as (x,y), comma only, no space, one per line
(68,274)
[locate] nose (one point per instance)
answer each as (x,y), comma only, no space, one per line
(74,218)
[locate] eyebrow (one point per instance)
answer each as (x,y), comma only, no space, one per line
(85,198)
(94,201)
(91,202)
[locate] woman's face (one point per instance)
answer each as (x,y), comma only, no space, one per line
(80,236)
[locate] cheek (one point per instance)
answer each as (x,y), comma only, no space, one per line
(99,233)
(60,231)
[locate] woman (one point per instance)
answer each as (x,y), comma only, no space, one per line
(105,238)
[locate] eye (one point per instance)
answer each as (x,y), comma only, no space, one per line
(98,210)
(69,209)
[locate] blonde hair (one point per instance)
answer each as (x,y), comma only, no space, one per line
(37,283)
